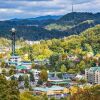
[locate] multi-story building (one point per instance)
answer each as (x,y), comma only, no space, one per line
(93,75)
(14,60)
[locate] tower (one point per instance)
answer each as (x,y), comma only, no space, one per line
(72,8)
(13,31)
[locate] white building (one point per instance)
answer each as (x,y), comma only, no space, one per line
(41,62)
(36,74)
(14,60)
(93,75)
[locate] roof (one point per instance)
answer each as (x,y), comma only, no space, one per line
(94,69)
(10,62)
(46,89)
(15,56)
(26,62)
(60,82)
(21,67)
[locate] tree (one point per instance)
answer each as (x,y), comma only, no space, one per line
(3,87)
(92,93)
(13,67)
(30,88)
(3,64)
(26,82)
(20,78)
(63,68)
(82,81)
(4,72)
(43,75)
(26,95)
(13,90)
(32,77)
(11,71)
(13,78)
(53,98)
(54,59)
(8,89)
(33,65)
(40,82)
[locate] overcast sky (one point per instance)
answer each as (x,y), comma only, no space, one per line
(31,8)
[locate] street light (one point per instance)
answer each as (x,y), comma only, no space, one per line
(13,31)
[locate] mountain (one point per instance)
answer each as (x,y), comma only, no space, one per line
(40,18)
(75,22)
(37,21)
(48,17)
(47,27)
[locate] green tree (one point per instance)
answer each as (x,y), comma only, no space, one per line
(4,72)
(40,82)
(20,78)
(13,90)
(11,71)
(8,89)
(13,78)
(3,64)
(44,75)
(26,82)
(63,68)
(32,77)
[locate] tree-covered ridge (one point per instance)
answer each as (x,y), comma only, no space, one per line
(79,17)
(92,37)
(29,29)
(75,23)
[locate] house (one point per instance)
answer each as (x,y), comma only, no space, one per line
(93,75)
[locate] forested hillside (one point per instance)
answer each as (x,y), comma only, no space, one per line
(83,50)
(76,22)
(48,27)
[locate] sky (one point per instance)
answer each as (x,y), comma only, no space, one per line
(10,9)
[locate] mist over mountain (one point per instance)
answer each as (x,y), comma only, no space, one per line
(47,27)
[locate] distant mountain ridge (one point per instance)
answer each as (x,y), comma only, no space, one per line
(47,27)
(40,18)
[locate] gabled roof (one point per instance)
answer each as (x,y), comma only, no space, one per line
(94,69)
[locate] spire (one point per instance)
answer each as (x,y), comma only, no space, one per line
(72,8)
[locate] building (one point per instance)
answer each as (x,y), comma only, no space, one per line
(36,74)
(93,75)
(32,42)
(55,80)
(14,60)
(53,91)
(41,62)
(28,64)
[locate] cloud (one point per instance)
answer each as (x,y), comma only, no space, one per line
(32,8)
